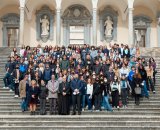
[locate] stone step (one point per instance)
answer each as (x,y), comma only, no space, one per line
(140,113)
(79,118)
(80,128)
(129,109)
(79,123)
(17,105)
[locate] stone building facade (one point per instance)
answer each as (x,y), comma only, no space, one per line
(94,22)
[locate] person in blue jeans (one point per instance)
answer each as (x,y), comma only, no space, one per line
(106,94)
(83,91)
(124,86)
(89,93)
(23,92)
(144,81)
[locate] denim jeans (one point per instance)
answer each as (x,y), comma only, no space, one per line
(150,83)
(24,105)
(6,79)
(89,102)
(144,90)
(83,101)
(106,104)
(124,96)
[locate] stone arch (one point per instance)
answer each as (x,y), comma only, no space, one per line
(108,11)
(10,20)
(76,15)
(143,22)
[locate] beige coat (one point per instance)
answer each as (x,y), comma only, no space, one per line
(53,90)
(22,88)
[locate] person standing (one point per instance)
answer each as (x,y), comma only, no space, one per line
(23,88)
(64,64)
(89,93)
(16,76)
(115,91)
(43,95)
(137,81)
(64,90)
(52,87)
(47,73)
(76,86)
(33,97)
(9,70)
(123,85)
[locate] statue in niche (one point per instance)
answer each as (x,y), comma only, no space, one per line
(45,26)
(138,35)
(108,27)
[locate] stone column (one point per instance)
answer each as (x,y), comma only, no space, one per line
(94,26)
(58,25)
(130,26)
(21,27)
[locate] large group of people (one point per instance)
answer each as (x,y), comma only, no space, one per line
(79,78)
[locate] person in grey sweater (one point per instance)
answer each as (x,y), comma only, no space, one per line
(53,86)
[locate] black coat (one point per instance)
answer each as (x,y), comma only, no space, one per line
(64,87)
(97,88)
(34,92)
(43,92)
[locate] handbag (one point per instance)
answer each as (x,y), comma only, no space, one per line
(137,90)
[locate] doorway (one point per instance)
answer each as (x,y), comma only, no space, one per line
(12,37)
(76,34)
(140,37)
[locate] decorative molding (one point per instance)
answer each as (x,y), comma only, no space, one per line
(108,11)
(76,15)
(143,22)
(45,10)
(9,20)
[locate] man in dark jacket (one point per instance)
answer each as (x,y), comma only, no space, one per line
(43,92)
(97,67)
(47,73)
(9,70)
(76,86)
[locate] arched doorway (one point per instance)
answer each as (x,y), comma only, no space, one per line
(142,31)
(76,24)
(10,30)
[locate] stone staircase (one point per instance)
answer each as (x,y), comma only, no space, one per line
(143,117)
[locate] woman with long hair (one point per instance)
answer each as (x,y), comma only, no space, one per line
(137,83)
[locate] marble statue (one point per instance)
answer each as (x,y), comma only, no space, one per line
(44,26)
(108,27)
(138,36)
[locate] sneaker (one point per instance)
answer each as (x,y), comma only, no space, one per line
(16,96)
(125,107)
(82,109)
(11,90)
(154,92)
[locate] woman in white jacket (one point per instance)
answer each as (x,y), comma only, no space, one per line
(89,93)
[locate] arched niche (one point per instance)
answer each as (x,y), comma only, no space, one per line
(44,11)
(76,15)
(143,24)
(10,22)
(108,11)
